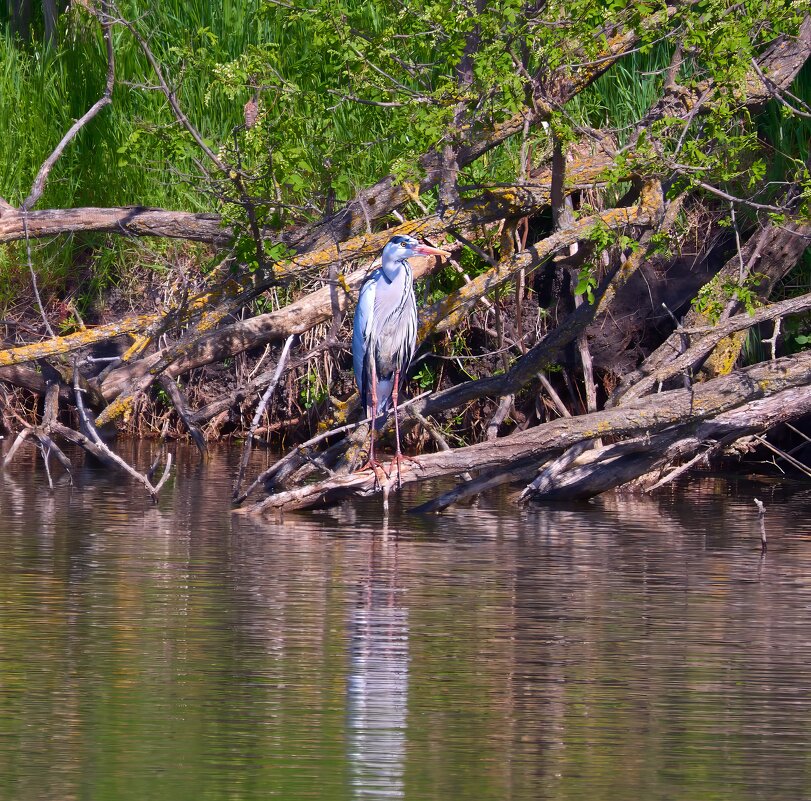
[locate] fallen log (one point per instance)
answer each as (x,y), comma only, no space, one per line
(613,467)
(30,379)
(703,339)
(645,417)
(770,253)
(449,311)
(123,221)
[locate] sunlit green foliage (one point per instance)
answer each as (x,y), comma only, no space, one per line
(348,91)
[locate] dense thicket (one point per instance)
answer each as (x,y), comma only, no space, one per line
(624,188)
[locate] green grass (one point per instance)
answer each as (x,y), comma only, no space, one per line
(123,156)
(622,95)
(787,139)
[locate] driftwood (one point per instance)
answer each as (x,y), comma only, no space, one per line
(260,410)
(644,418)
(124,221)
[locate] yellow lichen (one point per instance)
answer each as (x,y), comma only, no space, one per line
(120,406)
(725,354)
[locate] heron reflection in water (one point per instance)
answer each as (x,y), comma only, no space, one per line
(377,687)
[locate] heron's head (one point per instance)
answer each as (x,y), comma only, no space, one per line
(402,247)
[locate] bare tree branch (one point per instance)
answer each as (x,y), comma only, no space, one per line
(38,186)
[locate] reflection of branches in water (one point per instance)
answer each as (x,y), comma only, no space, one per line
(377,686)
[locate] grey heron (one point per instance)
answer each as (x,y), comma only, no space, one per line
(385,333)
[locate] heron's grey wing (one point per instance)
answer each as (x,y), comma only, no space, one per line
(411,324)
(362,332)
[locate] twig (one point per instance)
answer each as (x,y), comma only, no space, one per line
(587,363)
(255,385)
(45,451)
(52,447)
(171,97)
(260,410)
(772,340)
(34,277)
(552,392)
(761,508)
(726,196)
(436,435)
(499,416)
(471,488)
(182,407)
(684,345)
(484,300)
(777,93)
(684,468)
(783,455)
(689,121)
(233,173)
(18,441)
(153,468)
(742,271)
(799,433)
(165,475)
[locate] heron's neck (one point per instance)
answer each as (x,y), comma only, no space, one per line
(394,268)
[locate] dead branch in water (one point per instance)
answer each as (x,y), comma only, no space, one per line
(102,451)
(736,401)
(260,410)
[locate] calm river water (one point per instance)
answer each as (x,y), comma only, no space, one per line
(622,649)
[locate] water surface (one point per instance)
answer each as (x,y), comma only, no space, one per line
(628,648)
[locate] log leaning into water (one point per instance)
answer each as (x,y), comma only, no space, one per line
(739,396)
(771,253)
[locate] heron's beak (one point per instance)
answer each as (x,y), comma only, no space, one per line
(427,250)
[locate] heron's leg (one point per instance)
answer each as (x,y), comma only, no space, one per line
(398,455)
(397,452)
(371,463)
(373,416)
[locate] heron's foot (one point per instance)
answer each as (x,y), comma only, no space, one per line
(371,464)
(398,459)
(377,468)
